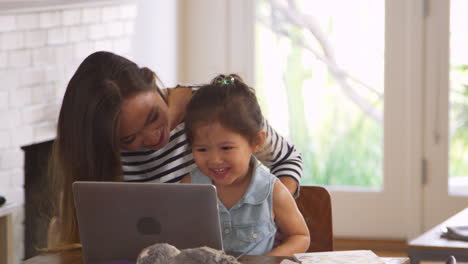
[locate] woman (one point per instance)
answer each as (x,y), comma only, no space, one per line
(117,124)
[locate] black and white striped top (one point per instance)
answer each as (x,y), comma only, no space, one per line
(175,160)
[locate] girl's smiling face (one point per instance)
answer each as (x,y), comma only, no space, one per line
(144,122)
(222,154)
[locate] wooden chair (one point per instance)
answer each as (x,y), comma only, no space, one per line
(315,205)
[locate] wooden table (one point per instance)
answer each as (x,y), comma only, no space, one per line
(74,257)
(430,246)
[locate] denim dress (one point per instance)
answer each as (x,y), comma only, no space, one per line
(248,226)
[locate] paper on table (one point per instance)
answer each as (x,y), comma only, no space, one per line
(395,260)
(287,261)
(340,257)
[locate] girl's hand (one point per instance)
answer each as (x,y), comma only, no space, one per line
(177,101)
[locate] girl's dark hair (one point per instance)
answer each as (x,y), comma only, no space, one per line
(229,101)
(87,144)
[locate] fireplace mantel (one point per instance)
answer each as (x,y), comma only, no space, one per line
(25,6)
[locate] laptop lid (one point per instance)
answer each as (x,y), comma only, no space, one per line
(117,220)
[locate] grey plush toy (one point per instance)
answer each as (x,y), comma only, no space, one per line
(157,254)
(168,254)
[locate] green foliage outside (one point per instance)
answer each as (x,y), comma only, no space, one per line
(459,122)
(345,150)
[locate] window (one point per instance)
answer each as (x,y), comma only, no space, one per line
(320,79)
(458,120)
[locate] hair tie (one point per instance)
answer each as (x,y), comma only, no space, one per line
(226,80)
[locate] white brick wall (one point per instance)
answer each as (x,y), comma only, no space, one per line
(27,21)
(3,103)
(91,15)
(19,58)
(50,19)
(77,33)
(110,13)
(71,17)
(39,51)
(35,38)
(12,40)
(9,79)
(7,23)
(57,35)
(22,136)
(5,139)
(3,59)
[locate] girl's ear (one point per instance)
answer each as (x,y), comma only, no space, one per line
(258,141)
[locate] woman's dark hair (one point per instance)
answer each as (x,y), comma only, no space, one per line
(229,101)
(87,144)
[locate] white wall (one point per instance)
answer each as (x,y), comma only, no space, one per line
(212,43)
(156,38)
(188,42)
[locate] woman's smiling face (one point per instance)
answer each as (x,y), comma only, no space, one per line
(144,122)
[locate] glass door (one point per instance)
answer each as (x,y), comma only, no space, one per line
(329,78)
(446,107)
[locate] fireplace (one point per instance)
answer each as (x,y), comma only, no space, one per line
(37,210)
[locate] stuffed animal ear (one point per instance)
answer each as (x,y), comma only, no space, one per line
(160,253)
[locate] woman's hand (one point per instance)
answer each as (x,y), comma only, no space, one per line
(177,101)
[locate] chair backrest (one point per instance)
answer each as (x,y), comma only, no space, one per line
(315,205)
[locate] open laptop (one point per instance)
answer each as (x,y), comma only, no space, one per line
(117,220)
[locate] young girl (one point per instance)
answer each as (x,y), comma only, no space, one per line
(223,125)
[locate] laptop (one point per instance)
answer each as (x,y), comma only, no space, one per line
(117,220)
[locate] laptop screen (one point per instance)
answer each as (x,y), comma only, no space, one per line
(117,220)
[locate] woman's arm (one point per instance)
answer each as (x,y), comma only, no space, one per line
(177,100)
(290,184)
(284,161)
(291,223)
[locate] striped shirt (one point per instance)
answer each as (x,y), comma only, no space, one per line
(175,160)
